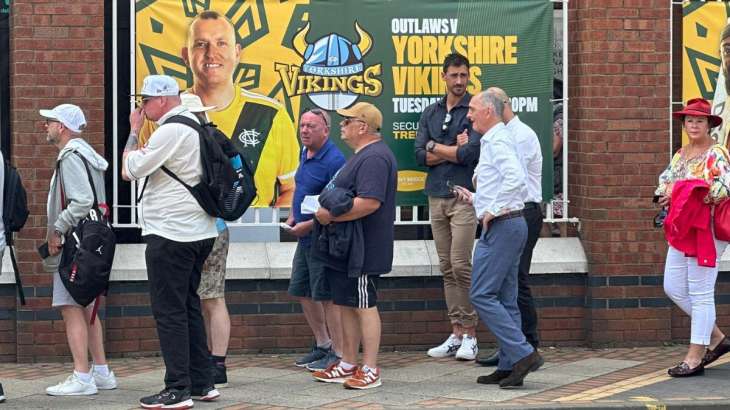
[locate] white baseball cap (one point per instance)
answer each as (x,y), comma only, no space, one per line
(193,103)
(69,115)
(158,86)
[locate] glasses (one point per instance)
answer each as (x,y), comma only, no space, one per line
(447,121)
(140,101)
(49,122)
(319,113)
(348,120)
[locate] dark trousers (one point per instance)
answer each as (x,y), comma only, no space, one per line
(533,217)
(173,270)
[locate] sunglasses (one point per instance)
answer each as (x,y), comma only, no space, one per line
(319,113)
(49,122)
(140,101)
(349,120)
(447,121)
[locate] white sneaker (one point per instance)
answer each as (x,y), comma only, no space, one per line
(468,349)
(447,348)
(105,382)
(73,386)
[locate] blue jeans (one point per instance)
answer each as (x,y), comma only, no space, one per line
(494,287)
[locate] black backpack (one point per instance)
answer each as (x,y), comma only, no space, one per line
(15,214)
(224,191)
(88,252)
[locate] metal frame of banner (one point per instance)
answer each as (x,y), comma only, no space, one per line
(405,215)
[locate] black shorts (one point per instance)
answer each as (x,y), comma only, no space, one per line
(352,292)
(308,277)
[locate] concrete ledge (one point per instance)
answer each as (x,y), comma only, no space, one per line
(272,260)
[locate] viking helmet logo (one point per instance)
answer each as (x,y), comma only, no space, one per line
(333,56)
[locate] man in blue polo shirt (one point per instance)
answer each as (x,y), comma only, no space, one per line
(319,160)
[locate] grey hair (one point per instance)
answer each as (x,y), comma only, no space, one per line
(490,98)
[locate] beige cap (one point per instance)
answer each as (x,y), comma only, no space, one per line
(365,112)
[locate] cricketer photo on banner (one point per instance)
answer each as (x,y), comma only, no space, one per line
(332,54)
(706,59)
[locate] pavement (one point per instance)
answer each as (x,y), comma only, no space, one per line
(572,378)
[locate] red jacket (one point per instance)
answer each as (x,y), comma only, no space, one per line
(687,227)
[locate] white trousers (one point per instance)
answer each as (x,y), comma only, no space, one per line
(692,288)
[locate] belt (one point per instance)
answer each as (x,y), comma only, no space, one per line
(508,215)
(532,205)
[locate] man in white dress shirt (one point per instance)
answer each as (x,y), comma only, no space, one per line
(528,148)
(499,200)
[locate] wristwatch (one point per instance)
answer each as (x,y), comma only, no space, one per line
(430,146)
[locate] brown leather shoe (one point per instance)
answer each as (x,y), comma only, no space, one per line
(520,370)
(683,370)
(494,378)
(718,351)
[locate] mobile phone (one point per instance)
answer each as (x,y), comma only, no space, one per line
(285,226)
(450,185)
(656,198)
(43,250)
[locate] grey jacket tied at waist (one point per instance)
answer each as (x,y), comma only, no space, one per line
(77,192)
(339,245)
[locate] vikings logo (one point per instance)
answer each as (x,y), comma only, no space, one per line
(333,74)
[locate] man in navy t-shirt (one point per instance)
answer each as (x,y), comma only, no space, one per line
(318,162)
(371,175)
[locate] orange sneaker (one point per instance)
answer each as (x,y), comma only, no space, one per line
(334,374)
(364,379)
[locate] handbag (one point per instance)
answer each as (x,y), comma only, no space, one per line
(721,220)
(88,252)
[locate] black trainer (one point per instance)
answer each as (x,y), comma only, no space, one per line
(220,379)
(2,393)
(168,399)
(205,394)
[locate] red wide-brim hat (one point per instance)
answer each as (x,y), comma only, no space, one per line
(701,108)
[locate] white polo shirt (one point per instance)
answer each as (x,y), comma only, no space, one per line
(167,208)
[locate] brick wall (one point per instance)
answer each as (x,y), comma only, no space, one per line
(619,92)
(413,310)
(57,56)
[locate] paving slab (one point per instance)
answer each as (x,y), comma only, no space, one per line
(572,378)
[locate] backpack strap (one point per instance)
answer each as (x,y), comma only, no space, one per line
(88,174)
(175,119)
(181,119)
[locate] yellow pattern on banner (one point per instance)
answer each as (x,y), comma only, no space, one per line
(701,31)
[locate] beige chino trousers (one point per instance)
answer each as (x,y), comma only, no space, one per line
(454,226)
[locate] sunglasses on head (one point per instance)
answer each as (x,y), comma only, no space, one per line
(319,113)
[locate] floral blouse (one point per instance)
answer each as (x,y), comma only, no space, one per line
(712,166)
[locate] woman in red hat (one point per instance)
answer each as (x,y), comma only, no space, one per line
(691,285)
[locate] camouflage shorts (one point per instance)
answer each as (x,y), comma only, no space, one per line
(213,276)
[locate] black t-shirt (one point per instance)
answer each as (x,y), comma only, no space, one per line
(371,173)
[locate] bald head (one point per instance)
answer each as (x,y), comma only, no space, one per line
(500,95)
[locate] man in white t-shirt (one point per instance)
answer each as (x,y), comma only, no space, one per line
(179,235)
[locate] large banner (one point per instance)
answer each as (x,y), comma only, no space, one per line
(331,54)
(704,64)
